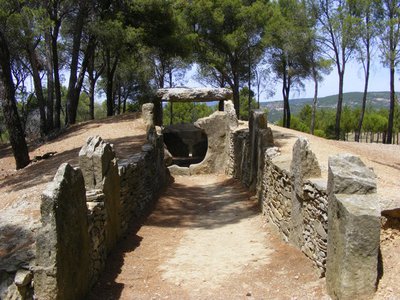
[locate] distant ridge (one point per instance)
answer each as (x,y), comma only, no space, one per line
(353,99)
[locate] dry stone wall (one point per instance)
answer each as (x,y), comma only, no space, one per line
(294,199)
(85,211)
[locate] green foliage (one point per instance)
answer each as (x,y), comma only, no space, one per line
(230,34)
(185,112)
(244,103)
(375,121)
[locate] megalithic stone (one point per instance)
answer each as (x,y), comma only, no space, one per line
(304,165)
(62,245)
(257,121)
(353,229)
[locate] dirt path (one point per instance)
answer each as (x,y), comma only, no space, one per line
(206,240)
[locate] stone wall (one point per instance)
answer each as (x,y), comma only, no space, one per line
(294,198)
(86,210)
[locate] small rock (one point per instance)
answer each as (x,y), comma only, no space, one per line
(248,294)
(23,278)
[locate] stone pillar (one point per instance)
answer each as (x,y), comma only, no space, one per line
(148,115)
(62,245)
(257,121)
(100,170)
(353,229)
(304,165)
(265,140)
(229,108)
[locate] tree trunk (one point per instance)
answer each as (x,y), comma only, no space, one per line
(9,105)
(72,96)
(285,93)
(118,92)
(315,101)
(339,105)
(92,86)
(124,105)
(364,100)
(236,95)
(93,76)
(111,67)
(391,107)
(57,83)
(249,83)
(37,82)
(50,82)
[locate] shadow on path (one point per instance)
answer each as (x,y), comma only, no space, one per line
(192,202)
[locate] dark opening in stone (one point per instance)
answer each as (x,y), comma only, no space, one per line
(186,143)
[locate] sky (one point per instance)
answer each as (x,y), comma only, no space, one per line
(353,82)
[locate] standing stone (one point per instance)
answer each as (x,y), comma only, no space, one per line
(94,160)
(147,115)
(215,126)
(265,140)
(304,165)
(100,170)
(353,229)
(62,245)
(257,121)
(229,108)
(349,175)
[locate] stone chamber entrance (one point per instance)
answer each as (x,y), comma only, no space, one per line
(186,143)
(189,144)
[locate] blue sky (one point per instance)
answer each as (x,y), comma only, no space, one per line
(354,82)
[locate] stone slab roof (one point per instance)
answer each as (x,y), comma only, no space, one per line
(194,94)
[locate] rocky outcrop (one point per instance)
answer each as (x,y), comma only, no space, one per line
(353,229)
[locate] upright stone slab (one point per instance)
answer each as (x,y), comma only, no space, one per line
(100,170)
(229,108)
(257,121)
(62,255)
(353,229)
(265,141)
(94,160)
(148,115)
(304,165)
(216,128)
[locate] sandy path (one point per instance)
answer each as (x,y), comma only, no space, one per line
(205,240)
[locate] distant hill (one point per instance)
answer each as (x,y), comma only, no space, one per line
(374,99)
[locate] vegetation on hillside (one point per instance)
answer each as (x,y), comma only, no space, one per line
(373,129)
(57,56)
